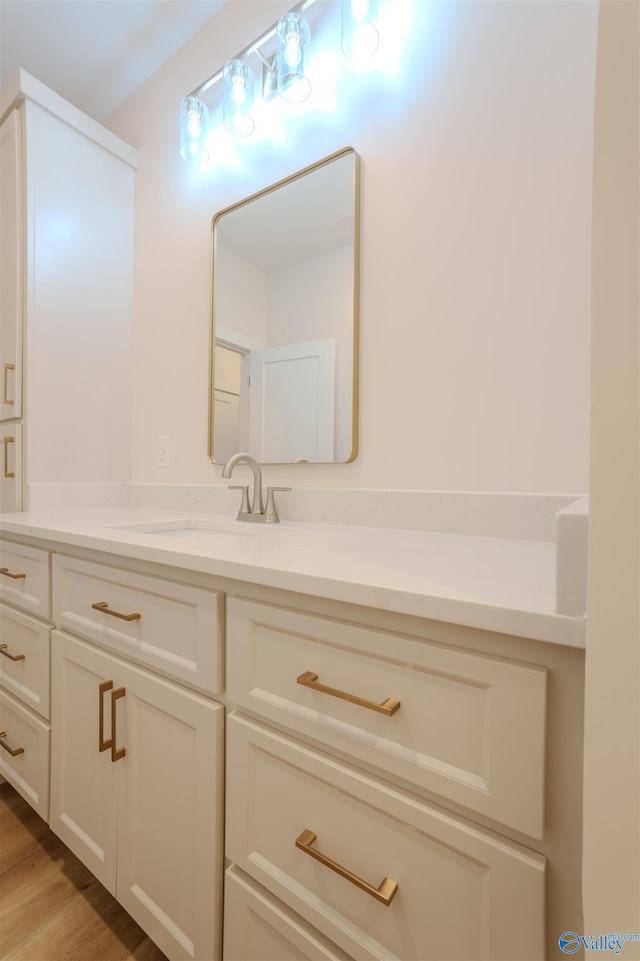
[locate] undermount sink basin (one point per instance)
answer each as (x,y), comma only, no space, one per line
(196,528)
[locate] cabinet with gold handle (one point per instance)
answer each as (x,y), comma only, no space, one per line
(389,706)
(7,573)
(105,744)
(386,890)
(12,657)
(103,606)
(14,752)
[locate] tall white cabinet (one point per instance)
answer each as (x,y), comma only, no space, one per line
(11,284)
(66,294)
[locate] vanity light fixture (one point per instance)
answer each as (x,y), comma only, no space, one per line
(194,130)
(360,36)
(284,54)
(292,35)
(237,103)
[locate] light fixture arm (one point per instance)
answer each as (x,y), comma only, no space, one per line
(267,63)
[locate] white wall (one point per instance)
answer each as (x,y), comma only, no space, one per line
(612,729)
(477,165)
(241,301)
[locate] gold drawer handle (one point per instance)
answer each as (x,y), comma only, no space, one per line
(386,890)
(104,607)
(116,753)
(5,388)
(388,707)
(7,573)
(103,743)
(12,657)
(7,441)
(12,752)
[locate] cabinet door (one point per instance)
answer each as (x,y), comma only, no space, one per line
(83,804)
(11,267)
(152,804)
(11,467)
(170,813)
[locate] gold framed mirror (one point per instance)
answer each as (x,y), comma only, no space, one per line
(285,291)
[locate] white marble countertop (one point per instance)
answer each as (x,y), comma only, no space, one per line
(495,584)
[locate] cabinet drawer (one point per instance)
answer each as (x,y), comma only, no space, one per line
(257,927)
(28,768)
(462,892)
(25,657)
(469,727)
(25,578)
(177,629)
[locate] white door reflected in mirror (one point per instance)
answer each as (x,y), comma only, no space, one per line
(285,319)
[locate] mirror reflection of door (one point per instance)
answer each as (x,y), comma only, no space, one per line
(285,297)
(277,402)
(291,402)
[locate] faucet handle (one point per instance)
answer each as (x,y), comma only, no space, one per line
(271,514)
(244,505)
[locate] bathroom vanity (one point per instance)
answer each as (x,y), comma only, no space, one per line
(372,739)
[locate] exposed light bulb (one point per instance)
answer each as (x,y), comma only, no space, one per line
(237,100)
(239,91)
(359,9)
(194,129)
(292,51)
(360,37)
(194,126)
(292,33)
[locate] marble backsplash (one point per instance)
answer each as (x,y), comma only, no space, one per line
(507,515)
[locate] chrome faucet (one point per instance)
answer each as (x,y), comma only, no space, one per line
(253,509)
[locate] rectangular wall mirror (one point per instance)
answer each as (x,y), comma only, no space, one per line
(284,319)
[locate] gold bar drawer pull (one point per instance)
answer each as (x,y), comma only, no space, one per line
(388,707)
(5,387)
(8,440)
(12,751)
(103,743)
(385,892)
(7,573)
(116,752)
(104,607)
(12,657)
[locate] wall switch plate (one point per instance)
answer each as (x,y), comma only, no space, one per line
(163,451)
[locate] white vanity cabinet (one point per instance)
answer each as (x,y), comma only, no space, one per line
(25,640)
(136,772)
(396,789)
(136,792)
(66,295)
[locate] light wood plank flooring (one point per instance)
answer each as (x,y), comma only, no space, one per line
(51,906)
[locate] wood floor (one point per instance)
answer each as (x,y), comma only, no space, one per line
(51,906)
